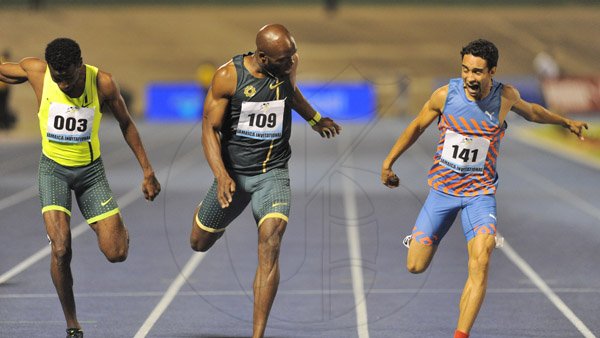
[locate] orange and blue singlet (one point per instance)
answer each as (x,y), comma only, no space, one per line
(463,176)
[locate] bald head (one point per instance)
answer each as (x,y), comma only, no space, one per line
(275,48)
(274,38)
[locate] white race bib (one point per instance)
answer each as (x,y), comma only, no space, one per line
(261,120)
(464,154)
(69,124)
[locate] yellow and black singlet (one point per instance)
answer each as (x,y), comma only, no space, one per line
(69,126)
(257,124)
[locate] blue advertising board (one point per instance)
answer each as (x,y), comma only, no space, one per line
(174,102)
(342,101)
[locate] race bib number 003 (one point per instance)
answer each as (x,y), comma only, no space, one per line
(261,120)
(69,124)
(464,154)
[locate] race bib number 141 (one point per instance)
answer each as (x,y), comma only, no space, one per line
(464,154)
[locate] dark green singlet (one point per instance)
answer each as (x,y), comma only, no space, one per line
(252,155)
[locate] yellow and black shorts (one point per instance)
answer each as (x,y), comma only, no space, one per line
(93,194)
(269,194)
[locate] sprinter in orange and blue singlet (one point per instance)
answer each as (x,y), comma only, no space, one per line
(471,111)
(463,175)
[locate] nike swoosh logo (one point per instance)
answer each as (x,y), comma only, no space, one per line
(106,202)
(85,102)
(278,204)
(273,86)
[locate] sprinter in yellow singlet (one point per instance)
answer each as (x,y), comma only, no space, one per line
(70,95)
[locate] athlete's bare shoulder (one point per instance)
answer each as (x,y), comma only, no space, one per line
(438,98)
(104,77)
(510,93)
(35,69)
(33,65)
(225,80)
(107,87)
(226,71)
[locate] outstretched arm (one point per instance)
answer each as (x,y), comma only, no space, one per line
(29,69)
(430,111)
(535,113)
(215,104)
(111,95)
(325,126)
(12,73)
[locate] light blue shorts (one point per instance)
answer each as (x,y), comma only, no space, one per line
(440,210)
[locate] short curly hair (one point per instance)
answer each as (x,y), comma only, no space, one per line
(62,53)
(483,49)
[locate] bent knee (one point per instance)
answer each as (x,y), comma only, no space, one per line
(200,246)
(204,241)
(117,258)
(116,255)
(416,267)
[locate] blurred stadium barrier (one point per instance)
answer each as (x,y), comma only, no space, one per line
(573,94)
(342,101)
(174,102)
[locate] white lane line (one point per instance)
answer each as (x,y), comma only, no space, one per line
(19,197)
(19,162)
(122,154)
(568,198)
(23,195)
(546,290)
(131,196)
(82,227)
(353,236)
(242,293)
(556,147)
(168,297)
(555,190)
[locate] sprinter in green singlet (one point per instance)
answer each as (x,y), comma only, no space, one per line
(70,95)
(245,135)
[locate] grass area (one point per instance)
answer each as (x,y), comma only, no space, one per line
(565,139)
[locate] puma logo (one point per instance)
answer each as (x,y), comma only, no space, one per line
(106,202)
(492,216)
(490,115)
(275,85)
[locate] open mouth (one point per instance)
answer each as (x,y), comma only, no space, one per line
(472,87)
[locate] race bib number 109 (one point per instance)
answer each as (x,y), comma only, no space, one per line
(69,124)
(464,154)
(261,120)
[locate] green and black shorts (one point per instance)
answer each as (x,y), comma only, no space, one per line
(269,194)
(94,197)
